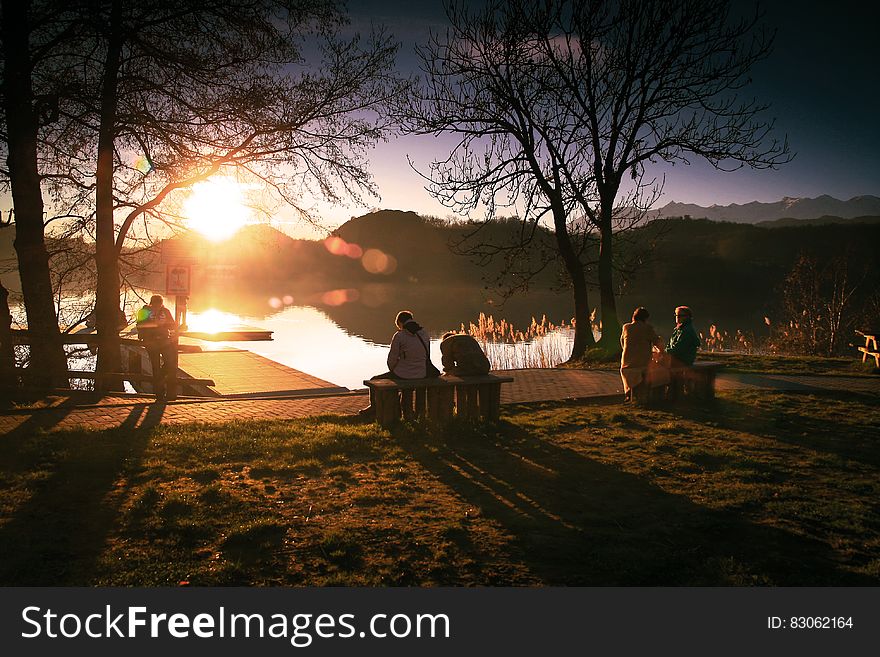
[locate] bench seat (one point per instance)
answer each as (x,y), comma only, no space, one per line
(698,380)
(439,399)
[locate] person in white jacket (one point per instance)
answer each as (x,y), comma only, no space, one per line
(408,356)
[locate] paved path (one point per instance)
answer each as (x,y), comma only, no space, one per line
(528,386)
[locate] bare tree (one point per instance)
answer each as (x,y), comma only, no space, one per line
(514,142)
(7,350)
(196,88)
(820,305)
(193,88)
(28,36)
(574,99)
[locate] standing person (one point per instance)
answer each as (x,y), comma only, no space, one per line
(158,331)
(638,340)
(462,355)
(408,357)
(684,341)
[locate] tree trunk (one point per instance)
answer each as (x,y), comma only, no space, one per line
(583,332)
(48,362)
(106,262)
(609,341)
(7,351)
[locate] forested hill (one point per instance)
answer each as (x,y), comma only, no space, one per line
(745,263)
(690,257)
(694,255)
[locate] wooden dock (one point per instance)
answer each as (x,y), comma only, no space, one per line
(238,333)
(239,373)
(227,372)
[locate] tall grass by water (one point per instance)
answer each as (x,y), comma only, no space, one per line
(541,344)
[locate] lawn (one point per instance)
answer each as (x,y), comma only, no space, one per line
(770,364)
(757,489)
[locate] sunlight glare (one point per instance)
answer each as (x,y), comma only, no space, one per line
(216,208)
(212,321)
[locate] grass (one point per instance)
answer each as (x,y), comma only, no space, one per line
(761,364)
(773,364)
(759,489)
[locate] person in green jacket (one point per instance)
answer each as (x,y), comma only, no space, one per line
(684,341)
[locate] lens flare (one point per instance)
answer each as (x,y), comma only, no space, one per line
(339,247)
(377,262)
(335,245)
(143,164)
(339,297)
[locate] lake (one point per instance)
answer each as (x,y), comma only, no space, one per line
(342,335)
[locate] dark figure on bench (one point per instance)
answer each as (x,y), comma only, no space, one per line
(462,355)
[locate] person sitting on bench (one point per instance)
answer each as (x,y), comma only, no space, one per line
(637,340)
(684,341)
(462,355)
(408,357)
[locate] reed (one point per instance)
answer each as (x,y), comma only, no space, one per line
(541,344)
(745,342)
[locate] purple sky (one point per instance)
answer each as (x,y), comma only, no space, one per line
(822,81)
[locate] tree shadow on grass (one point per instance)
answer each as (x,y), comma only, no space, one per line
(575,521)
(857,443)
(57,536)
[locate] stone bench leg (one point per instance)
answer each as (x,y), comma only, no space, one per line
(490,401)
(440,403)
(387,407)
(421,402)
(407,399)
(467,402)
(708,386)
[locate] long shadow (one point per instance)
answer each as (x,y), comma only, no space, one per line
(42,419)
(825,435)
(575,521)
(56,536)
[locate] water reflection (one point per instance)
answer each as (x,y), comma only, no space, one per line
(308,340)
(342,334)
(212,321)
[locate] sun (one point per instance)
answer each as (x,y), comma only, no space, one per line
(216,208)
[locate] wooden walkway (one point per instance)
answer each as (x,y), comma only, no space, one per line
(239,373)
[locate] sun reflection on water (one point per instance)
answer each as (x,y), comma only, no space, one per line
(212,321)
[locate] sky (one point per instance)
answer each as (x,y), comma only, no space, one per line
(822,82)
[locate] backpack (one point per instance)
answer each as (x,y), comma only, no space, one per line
(147,325)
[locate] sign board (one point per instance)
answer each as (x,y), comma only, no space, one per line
(177,280)
(178,252)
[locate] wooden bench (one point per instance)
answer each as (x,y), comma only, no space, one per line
(870,348)
(438,399)
(696,381)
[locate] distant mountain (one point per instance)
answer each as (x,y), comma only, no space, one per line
(787,208)
(820,221)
